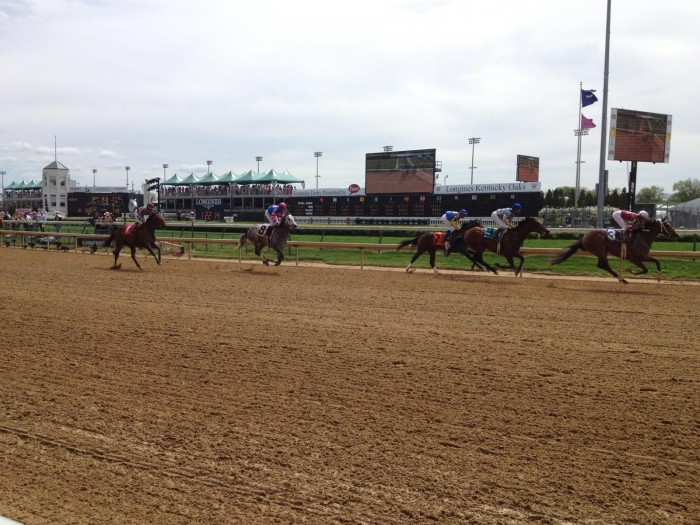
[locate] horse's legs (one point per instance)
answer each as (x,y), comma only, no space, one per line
(603,264)
(479,258)
(432,251)
(150,250)
(133,256)
(280,257)
(117,249)
(413,259)
(520,266)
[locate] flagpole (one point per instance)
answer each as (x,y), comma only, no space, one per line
(604,127)
(578,153)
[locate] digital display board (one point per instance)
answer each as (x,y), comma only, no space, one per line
(398,172)
(528,169)
(84,204)
(639,136)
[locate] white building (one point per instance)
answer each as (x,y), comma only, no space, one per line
(55,184)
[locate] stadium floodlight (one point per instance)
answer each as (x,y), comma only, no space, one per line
(317,154)
(258,159)
(209,163)
(473,141)
(94,172)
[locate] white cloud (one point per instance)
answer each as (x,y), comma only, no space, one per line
(143,83)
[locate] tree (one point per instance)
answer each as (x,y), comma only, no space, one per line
(652,194)
(686,190)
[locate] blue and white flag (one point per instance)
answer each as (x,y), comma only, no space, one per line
(587,97)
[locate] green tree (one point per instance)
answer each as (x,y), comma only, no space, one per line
(686,190)
(652,194)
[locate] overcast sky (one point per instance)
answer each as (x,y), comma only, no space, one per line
(147,82)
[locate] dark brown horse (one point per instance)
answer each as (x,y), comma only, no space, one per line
(143,237)
(430,242)
(637,247)
(277,240)
(473,241)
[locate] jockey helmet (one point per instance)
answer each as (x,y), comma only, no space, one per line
(282,206)
(517,206)
(463,211)
(644,215)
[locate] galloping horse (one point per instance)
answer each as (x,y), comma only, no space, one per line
(143,237)
(277,240)
(597,243)
(430,242)
(473,240)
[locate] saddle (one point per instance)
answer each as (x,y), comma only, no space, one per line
(439,238)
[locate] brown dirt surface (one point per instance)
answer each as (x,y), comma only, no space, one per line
(213,393)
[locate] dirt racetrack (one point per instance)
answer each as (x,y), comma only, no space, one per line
(210,393)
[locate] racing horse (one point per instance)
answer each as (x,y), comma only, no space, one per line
(598,243)
(473,240)
(430,242)
(142,237)
(277,240)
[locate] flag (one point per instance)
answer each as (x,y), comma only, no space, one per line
(587,97)
(586,123)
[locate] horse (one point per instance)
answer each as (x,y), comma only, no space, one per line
(509,246)
(430,242)
(277,240)
(143,237)
(637,247)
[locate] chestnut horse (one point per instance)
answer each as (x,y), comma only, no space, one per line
(597,243)
(473,241)
(430,242)
(143,237)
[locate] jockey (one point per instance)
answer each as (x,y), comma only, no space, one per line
(628,220)
(451,220)
(504,217)
(142,213)
(275,215)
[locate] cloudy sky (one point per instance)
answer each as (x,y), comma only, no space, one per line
(147,82)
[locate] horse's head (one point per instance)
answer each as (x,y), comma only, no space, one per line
(470,224)
(532,225)
(667,229)
(290,222)
(156,220)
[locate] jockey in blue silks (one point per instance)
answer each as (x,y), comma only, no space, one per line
(275,215)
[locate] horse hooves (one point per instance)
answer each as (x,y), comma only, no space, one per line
(116,267)
(266,263)
(277,263)
(624,281)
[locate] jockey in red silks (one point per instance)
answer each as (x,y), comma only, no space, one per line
(628,220)
(141,214)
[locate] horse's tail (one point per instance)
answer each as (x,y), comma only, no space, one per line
(112,234)
(409,242)
(563,256)
(242,240)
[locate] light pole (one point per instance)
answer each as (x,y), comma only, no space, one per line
(444,179)
(317,154)
(165,167)
(258,159)
(127,178)
(94,172)
(2,174)
(473,141)
(209,163)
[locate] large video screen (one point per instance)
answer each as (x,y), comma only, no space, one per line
(528,169)
(639,135)
(410,171)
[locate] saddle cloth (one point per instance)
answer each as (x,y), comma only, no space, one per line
(130,231)
(439,238)
(491,233)
(614,235)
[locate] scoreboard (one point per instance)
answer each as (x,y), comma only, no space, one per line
(85,204)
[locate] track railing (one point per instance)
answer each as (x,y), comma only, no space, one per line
(297,245)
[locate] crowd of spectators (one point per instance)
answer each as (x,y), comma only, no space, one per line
(226,190)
